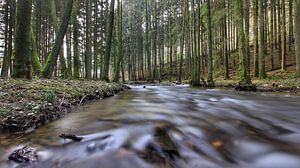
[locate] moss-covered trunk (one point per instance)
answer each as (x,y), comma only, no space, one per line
(22,62)
(36,65)
(52,58)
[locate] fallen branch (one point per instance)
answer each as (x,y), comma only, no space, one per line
(80,103)
(71,137)
(63,99)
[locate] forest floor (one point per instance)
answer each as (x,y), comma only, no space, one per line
(25,105)
(276,81)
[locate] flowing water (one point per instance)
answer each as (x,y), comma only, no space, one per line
(179,127)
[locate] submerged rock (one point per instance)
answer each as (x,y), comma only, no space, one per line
(24,155)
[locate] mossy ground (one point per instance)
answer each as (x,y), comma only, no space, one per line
(276,81)
(28,104)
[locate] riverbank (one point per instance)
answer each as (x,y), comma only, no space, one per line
(277,81)
(26,105)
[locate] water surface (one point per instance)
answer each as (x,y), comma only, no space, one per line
(171,127)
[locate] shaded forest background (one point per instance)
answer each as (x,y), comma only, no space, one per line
(149,40)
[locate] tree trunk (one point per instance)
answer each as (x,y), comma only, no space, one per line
(22,62)
(110,27)
(75,40)
(54,18)
(87,54)
(271,43)
(209,46)
(6,59)
(297,35)
(262,45)
(52,58)
(283,36)
(119,42)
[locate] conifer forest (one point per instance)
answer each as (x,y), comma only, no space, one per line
(150,83)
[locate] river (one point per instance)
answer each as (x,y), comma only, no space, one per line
(180,127)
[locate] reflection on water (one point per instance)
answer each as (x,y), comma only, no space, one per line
(172,127)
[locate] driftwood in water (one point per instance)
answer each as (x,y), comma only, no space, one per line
(71,137)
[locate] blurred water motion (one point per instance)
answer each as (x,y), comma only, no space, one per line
(171,127)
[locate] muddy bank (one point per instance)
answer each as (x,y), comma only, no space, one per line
(25,105)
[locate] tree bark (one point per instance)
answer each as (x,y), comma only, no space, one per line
(22,63)
(297,34)
(52,58)
(110,27)
(209,46)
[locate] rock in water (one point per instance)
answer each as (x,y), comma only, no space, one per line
(24,155)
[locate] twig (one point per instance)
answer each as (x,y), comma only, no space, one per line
(63,99)
(80,103)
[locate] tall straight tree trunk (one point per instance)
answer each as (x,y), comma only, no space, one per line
(297,35)
(246,43)
(110,27)
(279,30)
(75,40)
(291,24)
(87,54)
(6,59)
(148,52)
(283,36)
(271,42)
(182,38)
(154,42)
(171,42)
(262,45)
(226,52)
(119,42)
(209,46)
(242,47)
(52,58)
(22,62)
(95,40)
